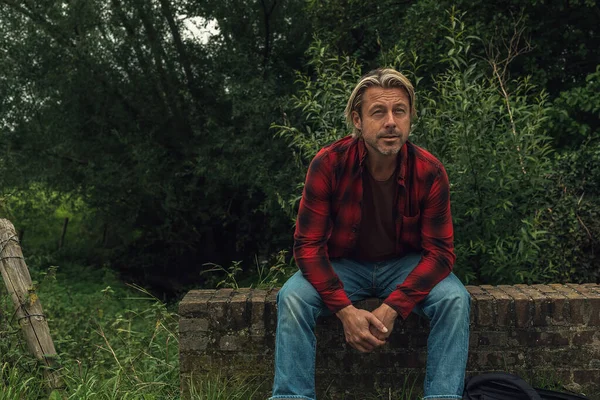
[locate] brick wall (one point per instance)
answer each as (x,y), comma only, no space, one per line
(548,331)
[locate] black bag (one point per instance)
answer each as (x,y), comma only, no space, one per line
(503,386)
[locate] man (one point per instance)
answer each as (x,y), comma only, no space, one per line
(374,221)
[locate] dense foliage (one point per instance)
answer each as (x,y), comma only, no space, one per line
(168,148)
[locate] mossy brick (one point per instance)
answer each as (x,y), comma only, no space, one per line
(592,286)
(193,325)
(556,303)
(256,301)
(524,338)
(197,363)
(520,306)
(591,313)
(197,342)
(484,309)
(587,376)
(576,358)
(586,337)
(270,315)
(576,303)
(217,306)
(492,339)
(503,304)
(414,339)
(238,311)
(498,359)
(232,342)
(541,338)
(473,340)
(537,305)
(195,302)
(413,321)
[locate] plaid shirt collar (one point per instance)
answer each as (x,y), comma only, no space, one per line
(402,159)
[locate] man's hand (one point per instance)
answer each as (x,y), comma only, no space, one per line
(387,315)
(359,326)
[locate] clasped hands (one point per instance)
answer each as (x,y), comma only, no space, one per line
(364,330)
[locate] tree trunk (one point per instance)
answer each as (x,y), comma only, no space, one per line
(61,242)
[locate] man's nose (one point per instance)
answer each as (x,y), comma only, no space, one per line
(390,122)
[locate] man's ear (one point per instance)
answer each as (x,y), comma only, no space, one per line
(356,120)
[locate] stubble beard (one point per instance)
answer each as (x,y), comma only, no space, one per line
(388,150)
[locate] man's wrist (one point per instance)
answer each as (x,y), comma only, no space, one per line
(341,314)
(389,310)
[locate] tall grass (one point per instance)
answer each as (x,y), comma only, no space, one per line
(114,341)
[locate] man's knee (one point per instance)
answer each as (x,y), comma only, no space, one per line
(451,296)
(458,298)
(297,293)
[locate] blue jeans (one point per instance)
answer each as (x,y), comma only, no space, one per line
(447,307)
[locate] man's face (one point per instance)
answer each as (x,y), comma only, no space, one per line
(385,120)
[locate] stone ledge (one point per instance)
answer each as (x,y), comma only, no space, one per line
(549,330)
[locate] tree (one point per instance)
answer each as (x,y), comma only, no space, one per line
(162,136)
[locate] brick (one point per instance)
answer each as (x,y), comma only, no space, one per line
(216,307)
(503,304)
(473,341)
(484,309)
(193,325)
(238,311)
(521,306)
(194,342)
(576,303)
(194,362)
(499,359)
(584,377)
(591,310)
(575,357)
(493,339)
(257,311)
(586,337)
(195,303)
(231,343)
(413,321)
(538,305)
(556,305)
(588,290)
(542,339)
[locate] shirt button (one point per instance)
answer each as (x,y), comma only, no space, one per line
(354,229)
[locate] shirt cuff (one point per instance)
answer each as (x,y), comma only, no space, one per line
(401,303)
(336,300)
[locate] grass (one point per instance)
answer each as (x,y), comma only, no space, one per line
(113,341)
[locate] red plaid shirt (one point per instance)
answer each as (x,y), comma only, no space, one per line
(330,213)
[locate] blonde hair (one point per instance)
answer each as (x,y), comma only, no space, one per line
(386,78)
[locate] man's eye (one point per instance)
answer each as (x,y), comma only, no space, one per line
(377,112)
(400,111)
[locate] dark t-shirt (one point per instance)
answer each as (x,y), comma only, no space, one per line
(377,236)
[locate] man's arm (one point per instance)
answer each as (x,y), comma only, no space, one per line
(313,229)
(437,241)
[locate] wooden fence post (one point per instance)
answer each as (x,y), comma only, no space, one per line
(28,309)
